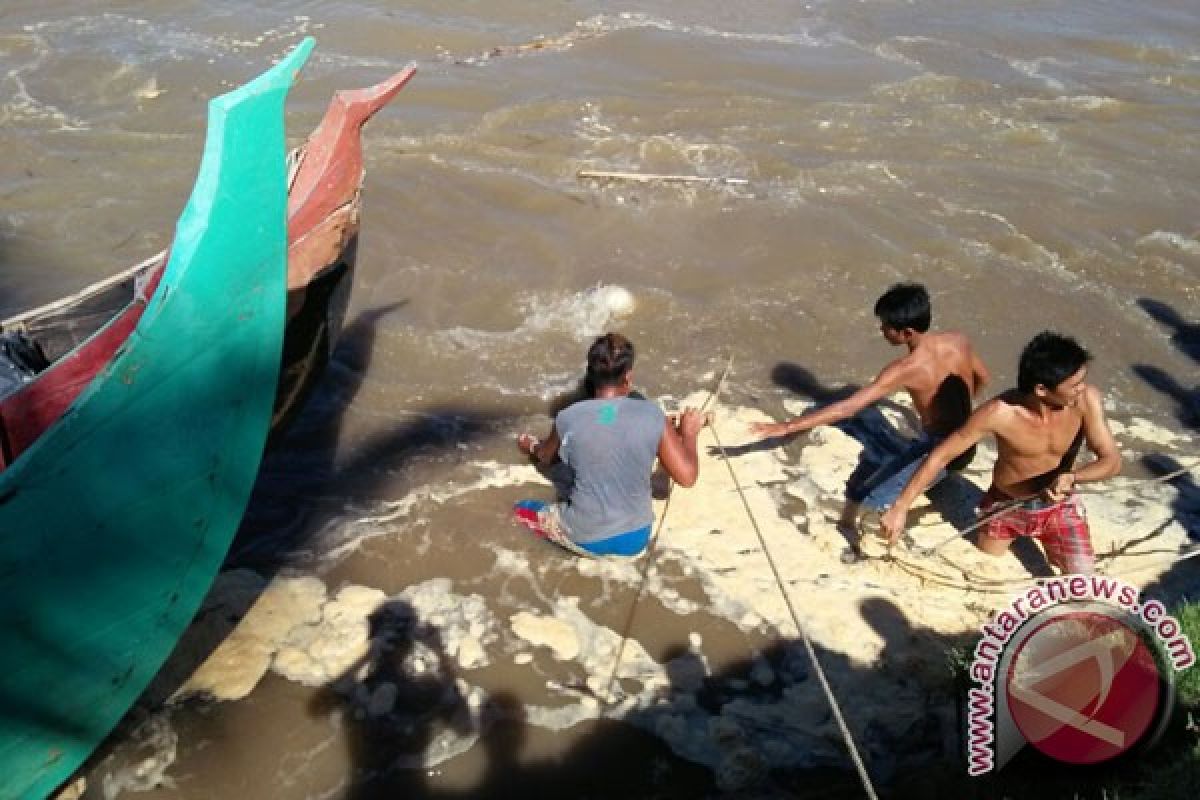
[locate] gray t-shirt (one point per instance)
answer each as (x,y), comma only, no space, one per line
(610,445)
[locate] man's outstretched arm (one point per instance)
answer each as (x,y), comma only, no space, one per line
(889,380)
(975,428)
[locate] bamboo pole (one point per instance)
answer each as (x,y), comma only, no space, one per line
(650,177)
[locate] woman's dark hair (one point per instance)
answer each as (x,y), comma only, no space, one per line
(1048,360)
(905,305)
(608,359)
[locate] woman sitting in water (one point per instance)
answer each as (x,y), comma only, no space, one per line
(610,442)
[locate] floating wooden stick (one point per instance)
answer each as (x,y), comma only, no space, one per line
(650,177)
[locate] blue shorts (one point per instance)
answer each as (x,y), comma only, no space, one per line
(542,518)
(880,490)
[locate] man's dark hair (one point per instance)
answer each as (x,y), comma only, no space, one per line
(608,359)
(1048,360)
(905,305)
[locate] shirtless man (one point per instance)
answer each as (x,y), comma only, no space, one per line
(1039,427)
(941,373)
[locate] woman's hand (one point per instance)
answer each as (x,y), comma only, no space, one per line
(527,443)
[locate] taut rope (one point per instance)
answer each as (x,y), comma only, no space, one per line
(808,645)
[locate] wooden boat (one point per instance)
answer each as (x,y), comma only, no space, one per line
(114,521)
(80,334)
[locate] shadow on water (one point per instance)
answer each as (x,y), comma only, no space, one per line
(393,703)
(581,391)
(905,709)
(299,473)
(303,486)
(1185,336)
(402,697)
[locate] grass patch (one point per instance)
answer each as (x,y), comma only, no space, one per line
(1187,683)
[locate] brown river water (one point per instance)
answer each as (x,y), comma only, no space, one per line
(1035,164)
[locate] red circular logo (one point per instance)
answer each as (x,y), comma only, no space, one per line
(1083,687)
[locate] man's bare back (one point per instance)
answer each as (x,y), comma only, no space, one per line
(941,375)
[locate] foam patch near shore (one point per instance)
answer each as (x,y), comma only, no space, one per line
(881,629)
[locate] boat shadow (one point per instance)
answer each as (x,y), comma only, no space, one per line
(290,504)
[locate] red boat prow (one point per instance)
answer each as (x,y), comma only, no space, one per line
(322,231)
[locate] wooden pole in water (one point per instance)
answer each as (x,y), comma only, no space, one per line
(650,177)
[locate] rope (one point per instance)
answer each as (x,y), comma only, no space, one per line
(650,549)
(851,748)
(985,585)
(1010,506)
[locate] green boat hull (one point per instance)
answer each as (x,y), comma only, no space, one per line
(113,524)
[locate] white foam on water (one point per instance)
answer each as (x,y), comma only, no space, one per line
(1018,246)
(22,106)
(773,715)
(582,315)
(1033,68)
(341,537)
(888,52)
(138,40)
(133,44)
(154,745)
(609,23)
(606,24)
(1169,240)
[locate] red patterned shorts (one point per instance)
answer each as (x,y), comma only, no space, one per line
(1061,527)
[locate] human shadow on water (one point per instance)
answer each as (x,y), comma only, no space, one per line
(581,391)
(400,710)
(765,724)
(394,703)
(1185,336)
(762,723)
(1180,580)
(302,489)
(869,427)
(1187,400)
